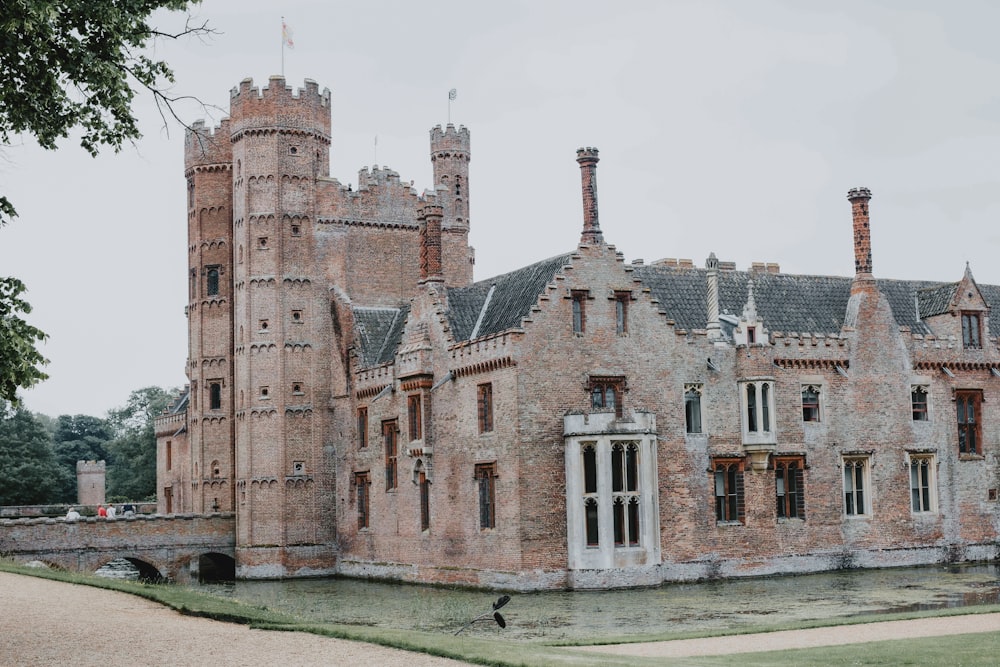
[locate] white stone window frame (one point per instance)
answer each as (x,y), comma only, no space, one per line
(929,462)
(764,431)
(606,554)
(853,462)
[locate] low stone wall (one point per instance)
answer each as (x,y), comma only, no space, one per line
(55,510)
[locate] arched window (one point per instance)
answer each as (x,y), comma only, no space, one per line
(212,281)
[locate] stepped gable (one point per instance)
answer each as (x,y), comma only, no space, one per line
(513,295)
(793,303)
(379,332)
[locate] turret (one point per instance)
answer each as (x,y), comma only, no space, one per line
(209,173)
(450,155)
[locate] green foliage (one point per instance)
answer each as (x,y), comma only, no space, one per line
(19,358)
(72,64)
(132,453)
(69,65)
(79,438)
(29,472)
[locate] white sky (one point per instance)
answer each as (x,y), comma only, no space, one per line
(727,127)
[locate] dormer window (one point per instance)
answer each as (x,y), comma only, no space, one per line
(751,335)
(971,338)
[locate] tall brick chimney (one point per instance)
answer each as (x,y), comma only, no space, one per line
(587,157)
(430,243)
(862,234)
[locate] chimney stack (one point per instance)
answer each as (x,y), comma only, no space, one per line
(430,243)
(587,157)
(862,234)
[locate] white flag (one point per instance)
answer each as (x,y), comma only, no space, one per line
(452,94)
(286,35)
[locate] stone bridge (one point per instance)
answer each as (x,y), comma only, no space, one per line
(175,547)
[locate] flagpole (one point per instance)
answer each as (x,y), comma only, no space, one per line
(282,47)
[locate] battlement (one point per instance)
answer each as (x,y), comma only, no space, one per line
(280,107)
(93,467)
(206,145)
(449,140)
(379,176)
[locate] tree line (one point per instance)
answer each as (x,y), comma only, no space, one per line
(38,453)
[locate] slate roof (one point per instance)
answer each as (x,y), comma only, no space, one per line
(379,331)
(793,303)
(785,303)
(180,402)
(513,295)
(936,300)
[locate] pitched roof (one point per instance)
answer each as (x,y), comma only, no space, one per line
(936,300)
(497,304)
(379,331)
(793,303)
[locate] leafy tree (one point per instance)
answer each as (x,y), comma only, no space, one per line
(79,438)
(70,65)
(29,473)
(132,465)
(19,358)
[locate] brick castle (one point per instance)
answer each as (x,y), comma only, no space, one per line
(367,409)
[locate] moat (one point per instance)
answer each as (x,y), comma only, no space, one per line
(674,608)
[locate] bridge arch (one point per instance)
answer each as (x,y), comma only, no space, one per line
(160,547)
(214,566)
(148,572)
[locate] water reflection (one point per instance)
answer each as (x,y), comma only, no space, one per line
(553,616)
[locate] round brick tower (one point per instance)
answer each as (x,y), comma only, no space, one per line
(284,489)
(208,170)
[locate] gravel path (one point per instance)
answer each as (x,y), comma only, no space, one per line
(45,622)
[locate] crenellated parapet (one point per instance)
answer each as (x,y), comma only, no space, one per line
(207,146)
(280,108)
(449,142)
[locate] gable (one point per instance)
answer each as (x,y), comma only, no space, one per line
(498,304)
(377,333)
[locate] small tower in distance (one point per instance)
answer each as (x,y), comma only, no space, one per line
(90,476)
